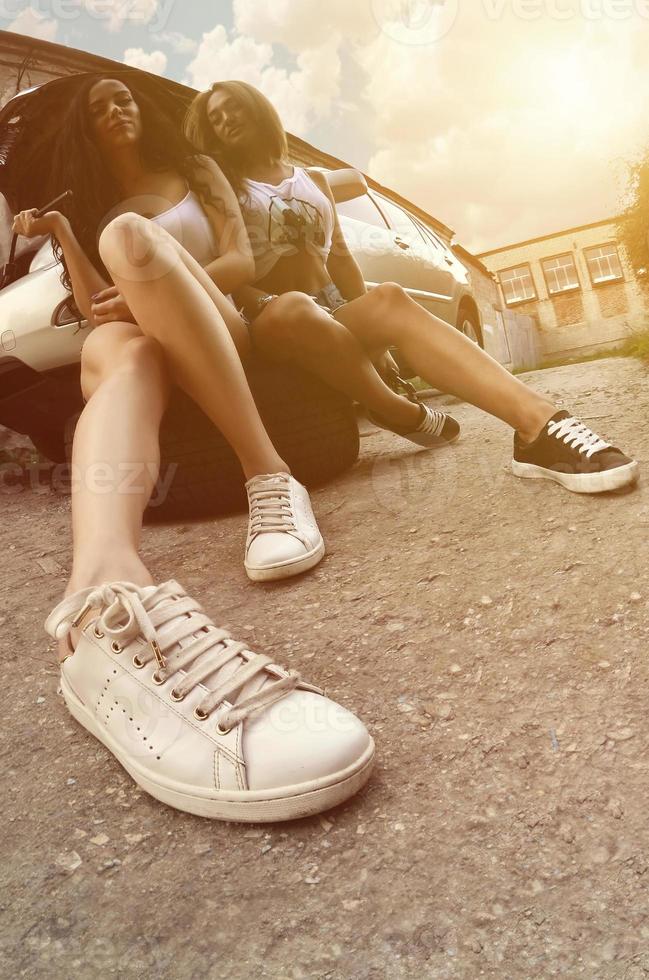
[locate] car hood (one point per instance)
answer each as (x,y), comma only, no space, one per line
(31,121)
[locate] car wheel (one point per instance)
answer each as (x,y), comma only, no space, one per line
(468,325)
(312,427)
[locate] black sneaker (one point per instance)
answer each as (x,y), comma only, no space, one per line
(571,454)
(435,429)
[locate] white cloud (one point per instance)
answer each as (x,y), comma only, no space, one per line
(34,24)
(153,61)
(180,43)
(219,58)
(116,13)
(302,96)
(304,25)
(508,129)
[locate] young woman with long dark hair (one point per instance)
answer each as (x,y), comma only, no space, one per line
(347,328)
(150,247)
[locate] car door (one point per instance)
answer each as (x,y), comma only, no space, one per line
(406,254)
(447,278)
(383,253)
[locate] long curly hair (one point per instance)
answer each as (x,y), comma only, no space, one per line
(271,144)
(78,165)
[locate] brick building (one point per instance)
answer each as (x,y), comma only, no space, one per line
(577,283)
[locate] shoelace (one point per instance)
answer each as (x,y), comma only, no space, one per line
(577,435)
(433,423)
(147,615)
(271,508)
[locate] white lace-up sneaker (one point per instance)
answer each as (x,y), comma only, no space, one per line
(198,720)
(283,537)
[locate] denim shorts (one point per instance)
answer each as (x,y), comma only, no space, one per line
(329,297)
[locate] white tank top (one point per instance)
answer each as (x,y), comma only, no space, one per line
(282,219)
(190,226)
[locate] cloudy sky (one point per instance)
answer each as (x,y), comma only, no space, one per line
(506,119)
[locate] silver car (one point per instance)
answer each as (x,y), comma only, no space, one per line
(392,245)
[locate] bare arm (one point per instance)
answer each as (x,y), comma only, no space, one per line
(83,275)
(86,280)
(235,265)
(341,265)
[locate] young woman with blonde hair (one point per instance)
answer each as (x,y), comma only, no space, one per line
(301,255)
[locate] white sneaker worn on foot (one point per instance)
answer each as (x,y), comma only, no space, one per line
(283,537)
(199,721)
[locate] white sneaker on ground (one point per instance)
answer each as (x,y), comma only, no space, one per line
(199,721)
(283,537)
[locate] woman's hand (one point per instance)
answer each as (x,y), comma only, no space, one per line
(26,224)
(109,304)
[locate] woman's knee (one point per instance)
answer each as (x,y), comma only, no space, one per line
(278,326)
(137,354)
(143,352)
(389,295)
(112,237)
(102,350)
(134,248)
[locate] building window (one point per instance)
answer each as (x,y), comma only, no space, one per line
(604,264)
(517,284)
(560,274)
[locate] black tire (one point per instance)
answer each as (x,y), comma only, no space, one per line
(312,427)
(50,446)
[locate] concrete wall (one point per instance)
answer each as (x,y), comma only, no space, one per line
(589,319)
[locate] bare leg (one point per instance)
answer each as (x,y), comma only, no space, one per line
(386,316)
(174,301)
(294,328)
(116,457)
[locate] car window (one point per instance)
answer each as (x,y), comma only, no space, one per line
(362,209)
(431,237)
(399,221)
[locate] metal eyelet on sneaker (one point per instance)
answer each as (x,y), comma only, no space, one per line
(137,662)
(155,677)
(222,730)
(200,715)
(115,647)
(97,633)
(175,696)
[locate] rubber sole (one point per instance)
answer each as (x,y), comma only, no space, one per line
(415,437)
(607,480)
(265,806)
(286,569)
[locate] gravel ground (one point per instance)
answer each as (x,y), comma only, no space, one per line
(491,632)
